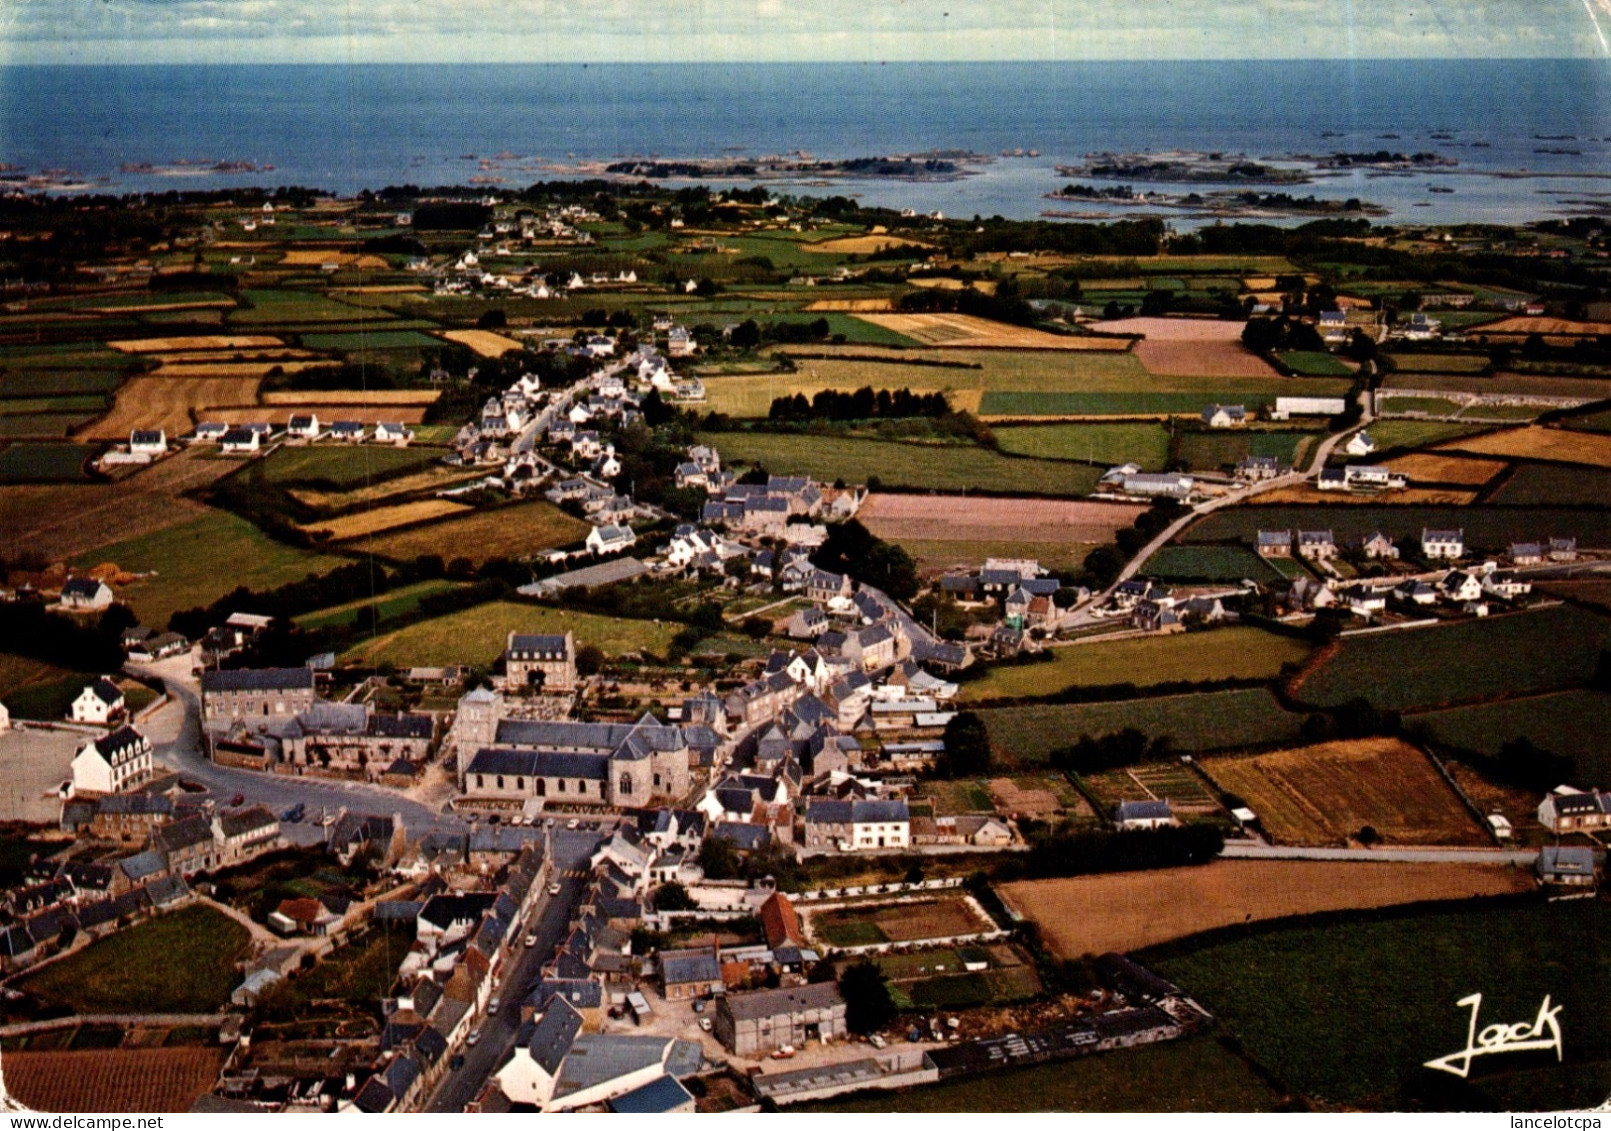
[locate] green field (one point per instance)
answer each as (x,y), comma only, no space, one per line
(45,463)
(394,603)
(1571,723)
(41,425)
(1144,444)
(1548,484)
(1224,448)
(1209,563)
(1468,364)
(1313,363)
(197,562)
(385,339)
(949,467)
(1010,382)
(1198,1074)
(32,689)
(1468,660)
(50,382)
(1222,653)
(1215,720)
(345,466)
(267,307)
(1488,529)
(1014,404)
(361,972)
(1599,421)
(1431,406)
(65,404)
(183,962)
(479,635)
(1347,1012)
(1391,435)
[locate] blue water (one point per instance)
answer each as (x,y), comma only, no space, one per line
(351,128)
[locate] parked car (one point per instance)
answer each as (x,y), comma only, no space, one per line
(554,889)
(704,1023)
(531,939)
(238,799)
(492,1006)
(876,1041)
(474,1038)
(572,824)
(457,1062)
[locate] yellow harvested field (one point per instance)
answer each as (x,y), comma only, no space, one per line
(1591,448)
(1307,493)
(280,413)
(355,397)
(385,518)
(382,289)
(1430,467)
(983,286)
(483,342)
(284,353)
(1175,329)
(305,258)
(170,403)
(254,369)
(1324,794)
(433,479)
(964,331)
(158,307)
(1544,326)
(202,342)
(860,245)
(511,531)
(1121,912)
(852,305)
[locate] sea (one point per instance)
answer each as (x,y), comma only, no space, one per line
(1531,138)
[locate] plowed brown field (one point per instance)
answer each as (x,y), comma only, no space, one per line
(959,518)
(121,1080)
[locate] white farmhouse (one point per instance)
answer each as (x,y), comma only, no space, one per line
(112,763)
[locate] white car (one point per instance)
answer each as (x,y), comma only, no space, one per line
(572,824)
(474,1038)
(554,889)
(531,940)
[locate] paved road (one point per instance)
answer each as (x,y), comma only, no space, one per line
(1240,850)
(175,733)
(1082,617)
(551,918)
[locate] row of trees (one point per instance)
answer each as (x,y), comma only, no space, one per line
(863,404)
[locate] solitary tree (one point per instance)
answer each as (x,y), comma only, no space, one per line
(967,746)
(868,1006)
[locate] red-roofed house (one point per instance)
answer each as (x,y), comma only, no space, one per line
(780,922)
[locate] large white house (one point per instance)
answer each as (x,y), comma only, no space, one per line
(112,763)
(97,703)
(558,1067)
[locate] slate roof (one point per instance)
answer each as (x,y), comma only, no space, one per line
(257,679)
(546,764)
(660,1095)
(553,1035)
(680,967)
